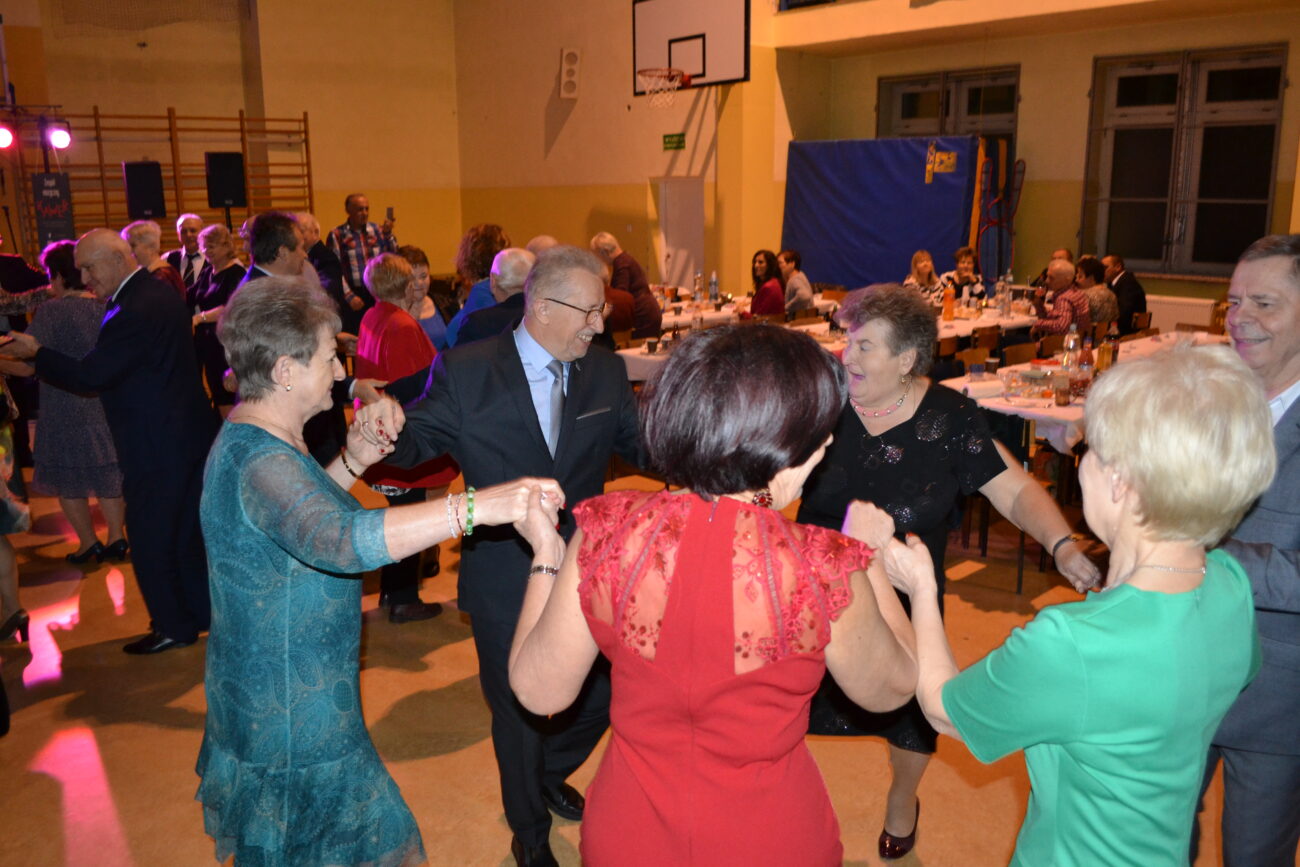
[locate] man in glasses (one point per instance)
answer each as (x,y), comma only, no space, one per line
(535,401)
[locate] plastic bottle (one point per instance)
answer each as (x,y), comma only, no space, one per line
(1004,295)
(713,286)
(949,301)
(1071,348)
(1085,355)
(699,285)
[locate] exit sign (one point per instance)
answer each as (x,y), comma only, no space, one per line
(675,141)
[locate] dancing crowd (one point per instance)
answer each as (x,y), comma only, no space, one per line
(703,629)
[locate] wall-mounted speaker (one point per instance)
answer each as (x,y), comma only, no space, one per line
(226,187)
(144,190)
(570,63)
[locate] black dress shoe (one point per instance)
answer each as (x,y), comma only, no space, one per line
(891,847)
(533,856)
(96,551)
(115,552)
(565,802)
(154,642)
(405,612)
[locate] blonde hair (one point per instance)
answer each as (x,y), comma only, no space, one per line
(1190,432)
(387,276)
(143,233)
(916,260)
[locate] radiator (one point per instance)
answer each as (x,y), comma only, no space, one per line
(1168,310)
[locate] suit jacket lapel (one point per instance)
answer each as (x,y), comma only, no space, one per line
(517,383)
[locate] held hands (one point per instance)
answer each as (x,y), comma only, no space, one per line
(356,302)
(346,343)
(20,345)
(869,524)
(508,503)
(362,450)
(909,566)
(537,526)
(382,418)
(1073,562)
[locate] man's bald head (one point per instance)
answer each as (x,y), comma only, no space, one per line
(509,271)
(540,244)
(105,260)
(1060,274)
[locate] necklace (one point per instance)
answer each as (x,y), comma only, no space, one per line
(1187,570)
(296,441)
(877,413)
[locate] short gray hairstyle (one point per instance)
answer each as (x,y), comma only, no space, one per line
(270,317)
(909,316)
(1061,266)
(1276,246)
(143,233)
(387,277)
(510,269)
(540,244)
(605,245)
(550,275)
(1190,432)
(307,220)
(180,221)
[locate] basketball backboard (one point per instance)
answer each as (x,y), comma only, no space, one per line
(706,39)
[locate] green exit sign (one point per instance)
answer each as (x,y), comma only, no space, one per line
(675,141)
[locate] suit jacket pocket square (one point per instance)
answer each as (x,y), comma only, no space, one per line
(590,413)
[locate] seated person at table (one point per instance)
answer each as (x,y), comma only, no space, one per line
(1090,277)
(798,291)
(923,279)
(1058,253)
(1130,295)
(717,614)
(769,299)
(1114,699)
(627,274)
(1069,307)
(965,280)
(915,448)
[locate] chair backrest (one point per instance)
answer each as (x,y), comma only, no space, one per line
(830,291)
(1190,326)
(986,337)
(806,313)
(1141,321)
(773,318)
(1100,330)
(1050,345)
(1218,318)
(974,355)
(1018,353)
(622,339)
(946,347)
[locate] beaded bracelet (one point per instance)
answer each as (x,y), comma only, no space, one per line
(343,453)
(540,569)
(469,511)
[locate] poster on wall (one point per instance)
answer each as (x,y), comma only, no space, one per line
(52,199)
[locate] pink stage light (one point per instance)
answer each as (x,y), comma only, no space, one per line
(92,831)
(6,137)
(60,138)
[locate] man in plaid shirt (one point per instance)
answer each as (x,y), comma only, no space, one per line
(356,242)
(1069,306)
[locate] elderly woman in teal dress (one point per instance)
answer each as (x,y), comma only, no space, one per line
(1114,699)
(289,773)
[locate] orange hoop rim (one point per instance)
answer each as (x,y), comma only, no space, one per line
(662,78)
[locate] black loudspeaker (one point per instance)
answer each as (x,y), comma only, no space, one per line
(225,171)
(144,190)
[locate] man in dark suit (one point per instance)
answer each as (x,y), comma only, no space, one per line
(144,369)
(530,402)
(1129,294)
(510,269)
(329,270)
(187,259)
(1259,740)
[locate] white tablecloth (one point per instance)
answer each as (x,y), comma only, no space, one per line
(1062,426)
(727,314)
(640,364)
(964,327)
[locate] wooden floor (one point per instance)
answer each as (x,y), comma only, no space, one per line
(99,766)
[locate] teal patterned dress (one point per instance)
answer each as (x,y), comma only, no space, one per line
(289,773)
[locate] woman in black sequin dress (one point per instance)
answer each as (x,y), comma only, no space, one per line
(914,448)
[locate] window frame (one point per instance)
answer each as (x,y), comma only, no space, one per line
(952,86)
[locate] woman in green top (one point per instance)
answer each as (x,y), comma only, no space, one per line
(1114,699)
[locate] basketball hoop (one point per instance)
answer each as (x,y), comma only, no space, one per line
(661,84)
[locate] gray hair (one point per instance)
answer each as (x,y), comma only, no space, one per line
(216,234)
(143,233)
(1060,266)
(272,317)
(540,244)
(909,317)
(550,275)
(1190,432)
(605,245)
(1276,246)
(387,276)
(180,221)
(307,220)
(510,269)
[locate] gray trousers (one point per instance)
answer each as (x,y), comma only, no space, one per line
(1261,807)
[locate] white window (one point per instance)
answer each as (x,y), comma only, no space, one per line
(964,102)
(1181,157)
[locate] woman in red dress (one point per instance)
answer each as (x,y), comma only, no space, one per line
(769,297)
(391,344)
(718,615)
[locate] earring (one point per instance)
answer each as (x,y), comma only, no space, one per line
(763,497)
(288,387)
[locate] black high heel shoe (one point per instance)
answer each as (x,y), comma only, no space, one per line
(115,552)
(96,550)
(18,622)
(891,847)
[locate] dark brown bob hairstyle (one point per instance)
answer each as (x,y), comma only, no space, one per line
(734,405)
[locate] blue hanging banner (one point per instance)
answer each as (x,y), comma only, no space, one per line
(52,200)
(856,211)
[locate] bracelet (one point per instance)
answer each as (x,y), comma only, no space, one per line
(1069,537)
(451,524)
(343,453)
(469,511)
(543,570)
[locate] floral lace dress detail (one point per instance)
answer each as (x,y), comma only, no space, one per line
(714,617)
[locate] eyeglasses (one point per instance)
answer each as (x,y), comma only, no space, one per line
(602,312)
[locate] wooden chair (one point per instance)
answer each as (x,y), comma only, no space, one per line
(1141,321)
(946,348)
(1050,345)
(830,291)
(1019,353)
(771,318)
(622,339)
(1100,330)
(806,313)
(988,337)
(1219,318)
(1190,326)
(974,355)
